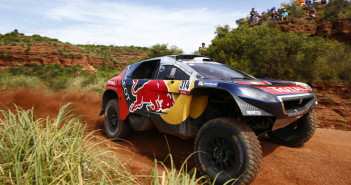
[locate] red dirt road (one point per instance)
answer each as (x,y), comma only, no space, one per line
(325,159)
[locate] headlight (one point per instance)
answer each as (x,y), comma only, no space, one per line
(257,94)
(303,85)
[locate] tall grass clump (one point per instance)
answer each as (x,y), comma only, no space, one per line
(54,151)
(172,175)
(86,84)
(14,82)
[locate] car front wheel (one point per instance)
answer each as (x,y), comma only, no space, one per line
(228,150)
(298,132)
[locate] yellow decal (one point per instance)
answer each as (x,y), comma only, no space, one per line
(184,105)
(198,106)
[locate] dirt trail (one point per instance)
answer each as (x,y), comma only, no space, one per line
(325,159)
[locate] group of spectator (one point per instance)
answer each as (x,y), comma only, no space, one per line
(309,2)
(282,14)
(276,15)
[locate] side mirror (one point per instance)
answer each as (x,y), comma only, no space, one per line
(170,77)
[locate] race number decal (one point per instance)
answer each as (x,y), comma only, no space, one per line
(184,87)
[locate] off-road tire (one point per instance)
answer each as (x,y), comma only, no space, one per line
(114,127)
(298,132)
(228,150)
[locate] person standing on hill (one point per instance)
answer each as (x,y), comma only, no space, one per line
(284,14)
(203,49)
(253,16)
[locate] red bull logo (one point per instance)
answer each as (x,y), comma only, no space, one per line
(154,94)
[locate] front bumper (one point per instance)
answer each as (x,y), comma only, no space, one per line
(293,108)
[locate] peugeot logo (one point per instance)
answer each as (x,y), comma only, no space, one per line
(300,101)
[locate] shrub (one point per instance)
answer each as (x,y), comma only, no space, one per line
(337,9)
(268,52)
(163,50)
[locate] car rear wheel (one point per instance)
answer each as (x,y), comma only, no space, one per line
(114,127)
(228,150)
(298,132)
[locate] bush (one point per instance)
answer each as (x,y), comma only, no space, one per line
(159,50)
(337,9)
(268,52)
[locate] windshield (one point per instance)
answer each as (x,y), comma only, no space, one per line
(219,71)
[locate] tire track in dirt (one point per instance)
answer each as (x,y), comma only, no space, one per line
(325,159)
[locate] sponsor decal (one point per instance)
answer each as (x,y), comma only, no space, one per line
(154,94)
(110,82)
(253,112)
(210,84)
(285,89)
(184,87)
(294,114)
(253,83)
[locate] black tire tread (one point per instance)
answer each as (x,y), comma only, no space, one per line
(312,121)
(254,151)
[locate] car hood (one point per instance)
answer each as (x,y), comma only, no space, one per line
(271,86)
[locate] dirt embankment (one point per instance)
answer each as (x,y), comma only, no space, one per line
(339,30)
(62,54)
(334,101)
(325,159)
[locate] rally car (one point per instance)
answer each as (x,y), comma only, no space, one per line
(224,109)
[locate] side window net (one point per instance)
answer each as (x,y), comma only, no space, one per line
(146,70)
(171,71)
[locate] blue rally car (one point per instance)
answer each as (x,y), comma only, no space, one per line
(224,109)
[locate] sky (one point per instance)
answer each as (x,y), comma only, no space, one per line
(182,23)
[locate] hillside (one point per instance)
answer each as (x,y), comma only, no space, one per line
(339,30)
(16,49)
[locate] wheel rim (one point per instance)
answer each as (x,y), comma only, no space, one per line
(222,154)
(113,119)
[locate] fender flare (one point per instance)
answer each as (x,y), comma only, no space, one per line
(107,96)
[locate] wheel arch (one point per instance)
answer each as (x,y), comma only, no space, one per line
(107,96)
(221,103)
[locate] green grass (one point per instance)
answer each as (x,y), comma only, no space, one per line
(55,77)
(54,151)
(61,151)
(172,175)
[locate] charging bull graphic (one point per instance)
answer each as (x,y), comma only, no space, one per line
(154,94)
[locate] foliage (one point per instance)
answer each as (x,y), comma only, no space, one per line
(268,52)
(337,9)
(159,50)
(54,151)
(8,82)
(56,77)
(15,38)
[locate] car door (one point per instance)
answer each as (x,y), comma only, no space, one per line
(177,82)
(141,86)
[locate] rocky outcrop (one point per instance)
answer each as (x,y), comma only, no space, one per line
(339,30)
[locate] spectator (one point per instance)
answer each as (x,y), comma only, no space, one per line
(308,3)
(253,16)
(203,49)
(275,16)
(284,14)
(311,14)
